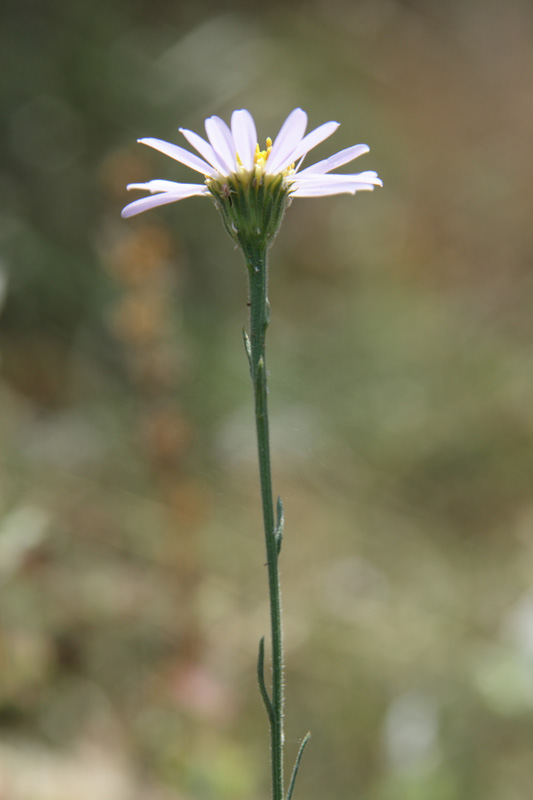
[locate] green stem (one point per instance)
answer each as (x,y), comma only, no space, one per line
(256,261)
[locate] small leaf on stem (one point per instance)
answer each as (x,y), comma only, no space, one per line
(296,767)
(247,347)
(280,522)
(261,680)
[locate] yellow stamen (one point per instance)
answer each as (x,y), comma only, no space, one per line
(261,156)
(259,167)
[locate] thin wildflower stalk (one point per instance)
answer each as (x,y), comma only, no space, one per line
(256,262)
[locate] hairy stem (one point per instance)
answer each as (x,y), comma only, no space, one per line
(256,262)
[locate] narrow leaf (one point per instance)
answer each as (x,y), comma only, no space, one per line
(296,767)
(261,680)
(280,523)
(247,347)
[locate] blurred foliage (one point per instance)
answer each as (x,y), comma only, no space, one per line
(133,591)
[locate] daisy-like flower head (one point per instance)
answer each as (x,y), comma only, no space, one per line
(252,187)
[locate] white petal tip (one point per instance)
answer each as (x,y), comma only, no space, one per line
(127,212)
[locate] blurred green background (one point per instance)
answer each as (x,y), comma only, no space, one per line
(133,591)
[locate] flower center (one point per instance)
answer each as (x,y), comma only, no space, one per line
(261,156)
(260,164)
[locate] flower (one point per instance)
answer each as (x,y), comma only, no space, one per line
(233,163)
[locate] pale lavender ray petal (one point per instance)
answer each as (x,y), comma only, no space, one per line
(316,185)
(181,155)
(329,189)
(222,142)
(204,148)
(145,203)
(159,186)
(288,138)
(363,177)
(336,160)
(244,136)
(308,142)
(370,176)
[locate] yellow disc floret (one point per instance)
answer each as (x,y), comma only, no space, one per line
(261,156)
(259,168)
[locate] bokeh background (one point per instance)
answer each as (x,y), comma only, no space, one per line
(133,589)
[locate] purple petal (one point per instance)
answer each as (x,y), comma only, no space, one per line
(337,160)
(244,136)
(204,148)
(181,155)
(330,189)
(145,203)
(362,177)
(308,142)
(222,142)
(322,185)
(370,176)
(287,140)
(159,186)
